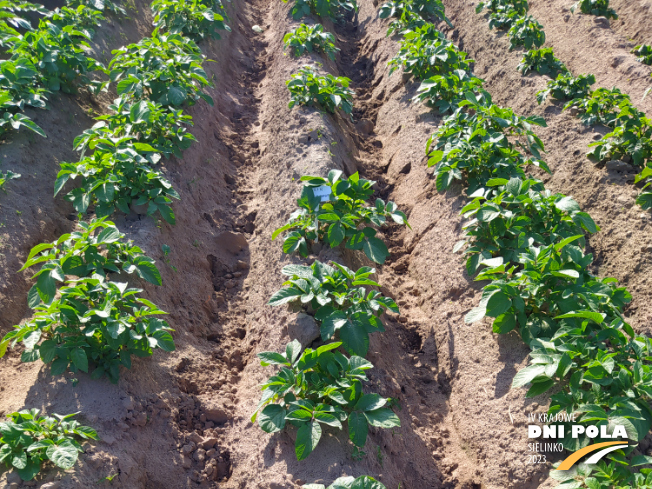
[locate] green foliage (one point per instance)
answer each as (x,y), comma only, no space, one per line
(613,475)
(328,92)
(164,68)
(595,7)
(333,9)
(526,32)
(319,388)
(344,218)
(630,137)
(362,482)
(92,321)
(567,87)
(413,13)
(5,177)
(503,14)
(100,5)
(196,19)
(445,92)
(28,440)
(644,53)
(425,52)
(543,61)
(520,6)
(475,146)
(601,106)
(98,248)
(339,300)
(162,127)
(309,38)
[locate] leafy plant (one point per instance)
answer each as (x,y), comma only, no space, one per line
(644,53)
(28,440)
(101,5)
(601,106)
(319,387)
(427,10)
(504,13)
(98,248)
(5,177)
(521,215)
(339,301)
(309,38)
(95,321)
(339,218)
(567,87)
(526,32)
(329,92)
(595,7)
(164,68)
(445,92)
(333,9)
(631,136)
(362,482)
(475,146)
(543,61)
(425,52)
(117,176)
(194,18)
(521,6)
(162,127)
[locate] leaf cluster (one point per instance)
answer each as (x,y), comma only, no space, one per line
(644,53)
(331,9)
(317,388)
(425,52)
(28,440)
(409,14)
(196,19)
(345,217)
(326,91)
(601,106)
(543,61)
(5,177)
(527,32)
(595,7)
(339,301)
(310,38)
(362,482)
(445,92)
(567,87)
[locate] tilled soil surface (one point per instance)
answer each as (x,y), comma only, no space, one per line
(182,420)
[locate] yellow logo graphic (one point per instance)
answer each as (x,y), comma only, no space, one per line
(607,447)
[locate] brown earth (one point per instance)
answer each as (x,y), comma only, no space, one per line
(462,426)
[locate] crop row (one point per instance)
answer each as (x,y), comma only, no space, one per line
(527,244)
(83,320)
(630,139)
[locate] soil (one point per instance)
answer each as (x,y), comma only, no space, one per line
(462,425)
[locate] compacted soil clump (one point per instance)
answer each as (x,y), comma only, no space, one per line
(182,419)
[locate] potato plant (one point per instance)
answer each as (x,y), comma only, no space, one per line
(644,53)
(319,388)
(445,92)
(5,177)
(521,6)
(310,38)
(595,7)
(332,9)
(93,321)
(601,106)
(425,52)
(28,441)
(339,301)
(527,32)
(97,248)
(543,61)
(344,217)
(362,482)
(408,10)
(567,87)
(164,68)
(328,92)
(196,19)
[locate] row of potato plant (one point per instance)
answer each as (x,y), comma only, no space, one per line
(321,387)
(83,319)
(528,244)
(47,58)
